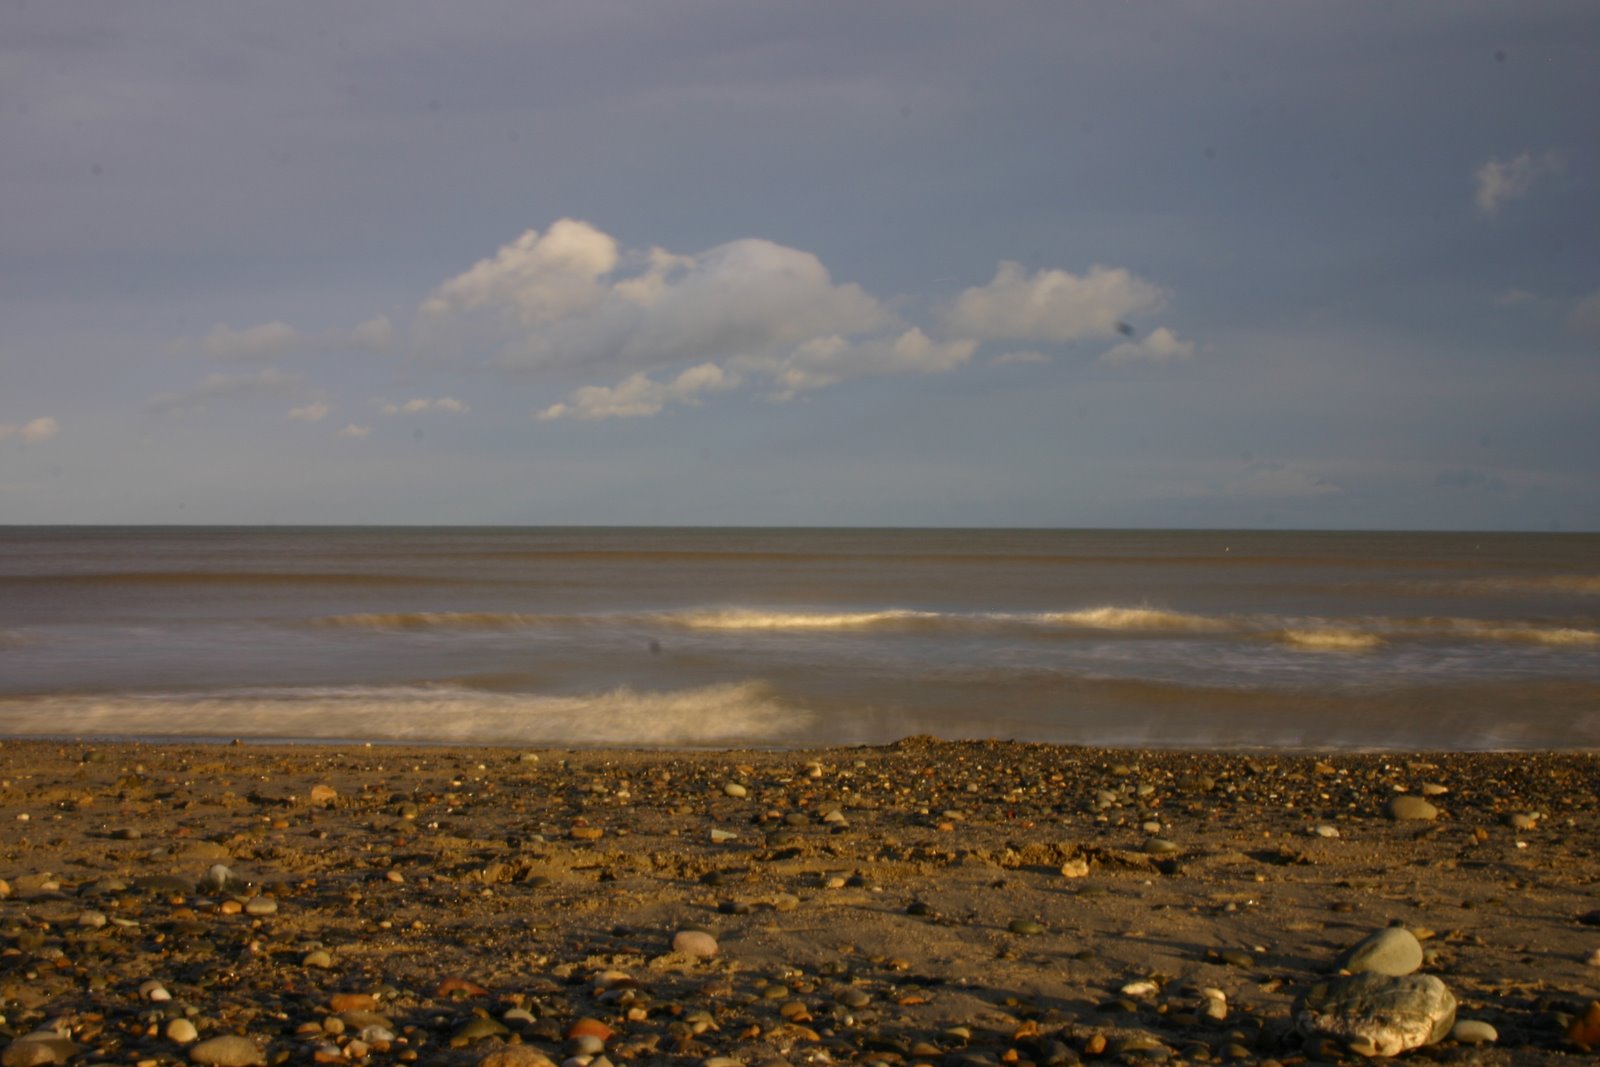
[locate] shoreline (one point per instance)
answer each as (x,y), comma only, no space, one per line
(921,902)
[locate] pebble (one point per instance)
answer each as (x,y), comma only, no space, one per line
(39,1048)
(734,789)
(694,943)
(1077,867)
(1026,927)
(1474,1032)
(154,991)
(1160,846)
(317,958)
(1393,951)
(182,1031)
(261,906)
(721,836)
(1325,830)
(516,1056)
(1379,1015)
(229,1050)
(1407,807)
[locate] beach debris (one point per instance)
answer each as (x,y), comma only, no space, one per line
(1378,1014)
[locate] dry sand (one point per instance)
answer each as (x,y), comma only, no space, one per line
(924,902)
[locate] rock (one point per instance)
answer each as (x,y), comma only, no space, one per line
(1325,830)
(516,1056)
(39,1048)
(229,1050)
(218,879)
(1522,821)
(1026,927)
(317,958)
(719,837)
(261,906)
(734,789)
(182,1031)
(1413,808)
(324,795)
(1393,951)
(694,943)
(1378,1015)
(1434,789)
(1078,867)
(1474,1032)
(1585,1029)
(1160,846)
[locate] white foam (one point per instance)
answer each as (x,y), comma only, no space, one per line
(1332,640)
(733,712)
(754,619)
(1111,617)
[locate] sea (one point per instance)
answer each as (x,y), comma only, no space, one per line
(790,638)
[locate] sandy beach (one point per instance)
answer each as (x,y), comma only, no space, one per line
(923,902)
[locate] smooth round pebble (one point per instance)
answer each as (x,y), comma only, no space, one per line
(229,1050)
(694,943)
(1474,1032)
(1406,807)
(182,1031)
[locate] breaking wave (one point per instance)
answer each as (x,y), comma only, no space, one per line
(737,712)
(1152,619)
(1344,634)
(1332,640)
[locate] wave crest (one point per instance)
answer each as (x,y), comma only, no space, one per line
(1110,617)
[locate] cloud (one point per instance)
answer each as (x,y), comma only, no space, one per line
(1161,346)
(33,431)
(541,278)
(1012,359)
(638,395)
(352,430)
(670,328)
(1279,480)
(1515,297)
(216,387)
(1051,305)
(268,340)
(1511,179)
(271,340)
(567,299)
(1585,317)
(310,413)
(417,405)
(826,361)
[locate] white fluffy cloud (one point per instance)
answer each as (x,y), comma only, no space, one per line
(352,430)
(310,412)
(670,329)
(541,278)
(639,395)
(1159,346)
(32,431)
(1500,180)
(1051,305)
(417,405)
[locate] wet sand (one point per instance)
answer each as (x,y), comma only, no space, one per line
(924,902)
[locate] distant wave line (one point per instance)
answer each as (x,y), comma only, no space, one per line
(1309,633)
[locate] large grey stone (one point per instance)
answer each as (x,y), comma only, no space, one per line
(1394,951)
(1378,1015)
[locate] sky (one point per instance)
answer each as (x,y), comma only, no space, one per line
(729,262)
